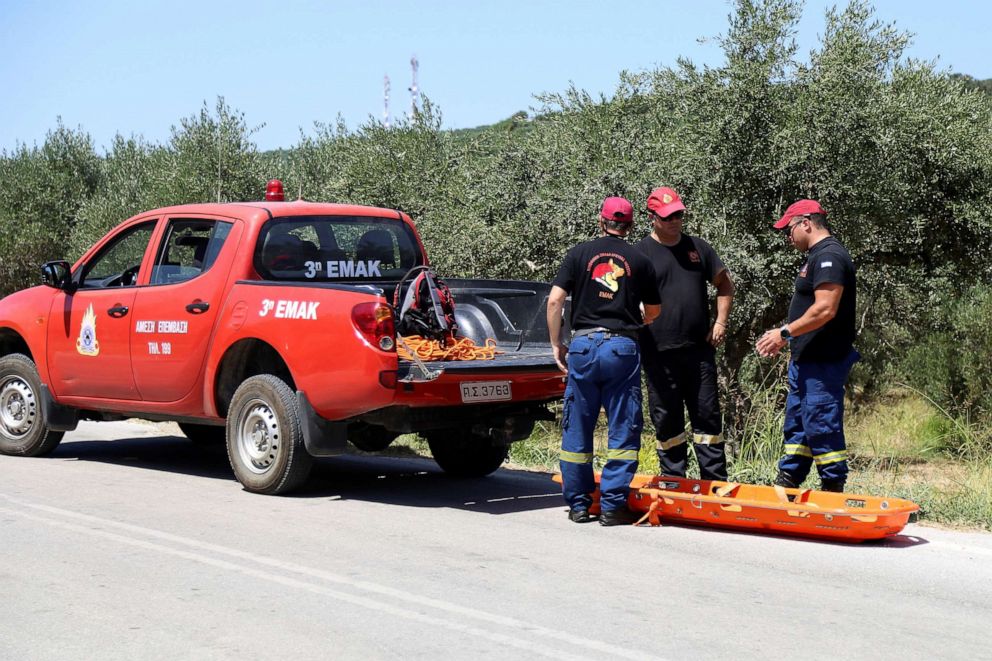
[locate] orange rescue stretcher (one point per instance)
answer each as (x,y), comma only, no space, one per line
(801,512)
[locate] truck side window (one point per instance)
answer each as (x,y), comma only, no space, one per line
(189,248)
(117,263)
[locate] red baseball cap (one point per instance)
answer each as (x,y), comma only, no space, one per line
(665,201)
(617,209)
(800,208)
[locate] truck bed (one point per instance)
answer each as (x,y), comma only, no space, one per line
(529,358)
(511,312)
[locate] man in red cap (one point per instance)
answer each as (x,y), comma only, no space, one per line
(820,330)
(680,350)
(608,280)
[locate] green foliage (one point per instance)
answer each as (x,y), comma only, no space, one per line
(127,187)
(211,158)
(43,189)
(61,197)
(519,122)
(950,368)
(951,364)
(972,83)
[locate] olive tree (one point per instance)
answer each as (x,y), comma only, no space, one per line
(44,188)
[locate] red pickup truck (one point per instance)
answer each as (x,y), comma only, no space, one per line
(268,325)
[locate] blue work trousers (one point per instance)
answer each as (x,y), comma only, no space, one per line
(604,372)
(814,420)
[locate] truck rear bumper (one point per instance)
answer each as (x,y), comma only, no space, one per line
(509,387)
(509,422)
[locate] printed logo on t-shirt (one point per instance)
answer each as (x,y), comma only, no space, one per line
(693,256)
(824,265)
(608,275)
(802,271)
(607,269)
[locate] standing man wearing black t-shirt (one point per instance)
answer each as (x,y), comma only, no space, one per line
(680,351)
(821,333)
(608,280)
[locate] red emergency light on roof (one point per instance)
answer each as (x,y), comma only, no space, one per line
(274,191)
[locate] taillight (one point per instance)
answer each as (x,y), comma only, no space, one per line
(375,321)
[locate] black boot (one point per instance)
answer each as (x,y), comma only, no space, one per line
(786,480)
(836,486)
(620,517)
(579,515)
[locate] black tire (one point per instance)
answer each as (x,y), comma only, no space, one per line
(203,434)
(370,438)
(264,437)
(23,430)
(461,453)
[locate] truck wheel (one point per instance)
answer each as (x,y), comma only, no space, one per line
(264,437)
(203,434)
(370,438)
(461,453)
(22,417)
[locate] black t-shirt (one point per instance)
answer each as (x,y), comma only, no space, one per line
(827,262)
(683,271)
(608,279)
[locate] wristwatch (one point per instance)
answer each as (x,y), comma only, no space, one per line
(784,333)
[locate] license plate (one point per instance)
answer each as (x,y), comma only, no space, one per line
(486,391)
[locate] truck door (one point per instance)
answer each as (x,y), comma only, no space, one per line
(89,350)
(175,314)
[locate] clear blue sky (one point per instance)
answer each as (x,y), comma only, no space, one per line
(137,68)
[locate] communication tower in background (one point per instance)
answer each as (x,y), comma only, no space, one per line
(385,100)
(414,90)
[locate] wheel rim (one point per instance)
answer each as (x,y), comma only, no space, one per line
(18,407)
(259,437)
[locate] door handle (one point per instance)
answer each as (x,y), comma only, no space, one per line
(118,311)
(197,307)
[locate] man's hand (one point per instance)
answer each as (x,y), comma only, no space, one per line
(561,356)
(770,343)
(717,334)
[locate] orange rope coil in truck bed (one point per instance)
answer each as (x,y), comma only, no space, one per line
(461,348)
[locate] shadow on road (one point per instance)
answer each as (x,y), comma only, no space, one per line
(406,481)
(418,482)
(172,454)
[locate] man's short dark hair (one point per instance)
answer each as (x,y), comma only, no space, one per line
(617,225)
(818,220)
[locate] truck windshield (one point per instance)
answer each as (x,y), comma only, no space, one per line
(336,248)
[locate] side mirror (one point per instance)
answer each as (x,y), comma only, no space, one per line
(57,274)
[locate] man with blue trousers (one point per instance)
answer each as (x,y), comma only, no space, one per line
(820,330)
(609,281)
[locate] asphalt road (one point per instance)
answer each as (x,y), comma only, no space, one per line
(145,547)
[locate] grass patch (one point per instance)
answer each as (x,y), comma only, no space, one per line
(541,450)
(898,446)
(408,445)
(899,426)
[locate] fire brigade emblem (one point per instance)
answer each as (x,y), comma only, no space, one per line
(608,275)
(87,343)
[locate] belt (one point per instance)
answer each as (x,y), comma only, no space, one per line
(607,333)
